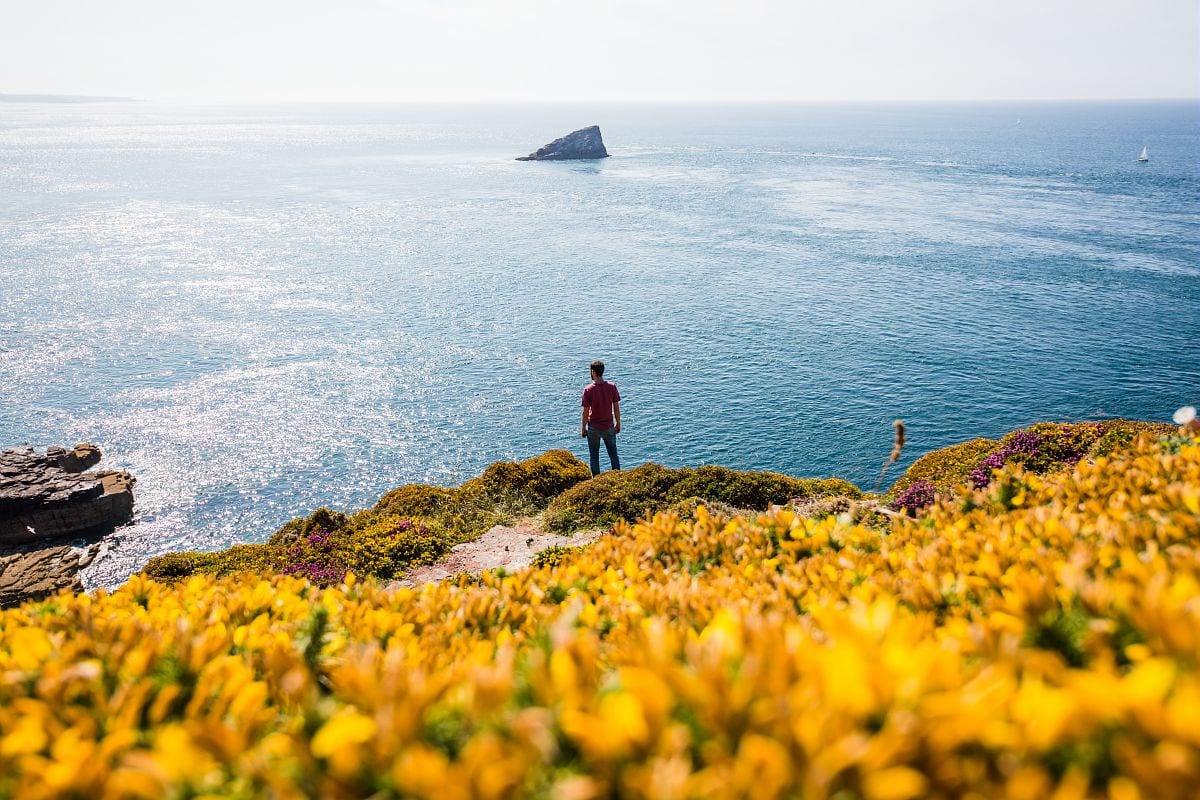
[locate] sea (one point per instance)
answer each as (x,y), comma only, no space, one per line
(260,310)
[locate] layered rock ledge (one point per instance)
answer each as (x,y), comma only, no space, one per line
(46,499)
(51,496)
(585,143)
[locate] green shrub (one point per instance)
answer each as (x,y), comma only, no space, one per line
(552,556)
(383,549)
(1121,434)
(1048,446)
(498,479)
(535,480)
(464,512)
(290,531)
(1060,444)
(562,518)
(170,567)
(752,490)
(630,494)
(259,558)
(610,497)
(416,500)
(505,490)
(550,474)
(321,519)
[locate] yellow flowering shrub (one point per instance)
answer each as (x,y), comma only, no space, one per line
(1038,638)
(947,467)
(411,525)
(1054,445)
(380,546)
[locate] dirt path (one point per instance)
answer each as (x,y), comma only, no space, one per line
(510,547)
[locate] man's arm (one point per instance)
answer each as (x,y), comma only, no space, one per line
(583,425)
(617,414)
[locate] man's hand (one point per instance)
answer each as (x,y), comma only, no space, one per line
(583,433)
(618,430)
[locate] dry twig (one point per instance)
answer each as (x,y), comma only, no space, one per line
(897,449)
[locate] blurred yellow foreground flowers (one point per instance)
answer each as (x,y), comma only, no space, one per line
(1039,639)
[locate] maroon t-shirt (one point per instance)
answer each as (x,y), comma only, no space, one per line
(599,397)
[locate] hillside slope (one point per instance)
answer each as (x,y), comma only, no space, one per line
(1036,637)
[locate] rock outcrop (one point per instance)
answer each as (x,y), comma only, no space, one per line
(582,144)
(37,573)
(45,500)
(51,496)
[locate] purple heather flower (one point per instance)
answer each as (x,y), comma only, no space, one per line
(1022,442)
(982,475)
(319,538)
(407,525)
(316,572)
(915,497)
(1072,455)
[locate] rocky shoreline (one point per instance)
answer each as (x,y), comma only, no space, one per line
(52,513)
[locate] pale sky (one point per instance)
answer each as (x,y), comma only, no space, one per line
(620,50)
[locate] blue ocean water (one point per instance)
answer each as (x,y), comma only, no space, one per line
(263,310)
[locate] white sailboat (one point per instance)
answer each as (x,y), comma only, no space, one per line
(1145,156)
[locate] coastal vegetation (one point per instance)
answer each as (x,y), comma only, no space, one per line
(1041,448)
(1032,635)
(411,525)
(629,494)
(416,524)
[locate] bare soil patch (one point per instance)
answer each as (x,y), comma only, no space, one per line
(510,547)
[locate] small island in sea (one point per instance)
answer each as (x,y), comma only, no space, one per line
(583,144)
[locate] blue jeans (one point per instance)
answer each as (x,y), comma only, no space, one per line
(610,444)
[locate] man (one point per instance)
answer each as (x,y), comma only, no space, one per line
(601,417)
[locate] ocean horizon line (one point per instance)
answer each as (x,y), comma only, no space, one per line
(55,98)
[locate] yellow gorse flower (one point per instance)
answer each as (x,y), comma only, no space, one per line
(1039,638)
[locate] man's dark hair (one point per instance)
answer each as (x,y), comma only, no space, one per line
(598,366)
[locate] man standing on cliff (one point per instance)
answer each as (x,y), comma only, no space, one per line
(601,417)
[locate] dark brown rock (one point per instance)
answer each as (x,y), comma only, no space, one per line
(46,500)
(84,456)
(49,496)
(34,574)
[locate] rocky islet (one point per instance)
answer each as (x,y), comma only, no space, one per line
(585,143)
